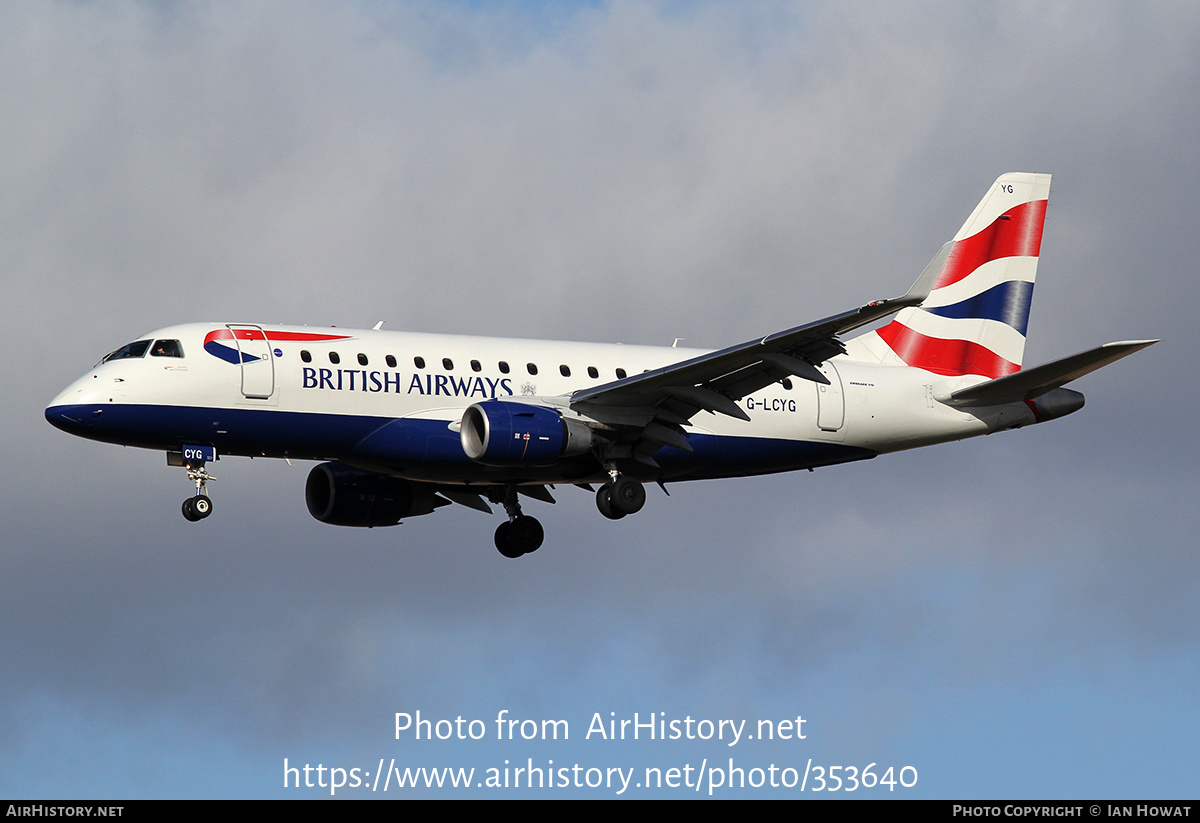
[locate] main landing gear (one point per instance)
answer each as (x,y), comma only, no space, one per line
(200,506)
(520,534)
(622,496)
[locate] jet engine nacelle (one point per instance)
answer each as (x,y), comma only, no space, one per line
(507,433)
(342,496)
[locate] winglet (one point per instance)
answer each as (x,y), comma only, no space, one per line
(924,285)
(916,295)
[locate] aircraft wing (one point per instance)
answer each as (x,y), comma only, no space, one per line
(661,401)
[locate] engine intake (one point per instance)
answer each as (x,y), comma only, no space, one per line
(504,433)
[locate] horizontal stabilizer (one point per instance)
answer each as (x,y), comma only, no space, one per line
(1028,384)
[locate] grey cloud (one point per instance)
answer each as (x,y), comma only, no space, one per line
(626,172)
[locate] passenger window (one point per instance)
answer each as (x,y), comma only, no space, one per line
(334,358)
(305,356)
(532,368)
(503,367)
(166,348)
(565,371)
(447,364)
(593,372)
(419,362)
(620,374)
(362,359)
(475,366)
(391,361)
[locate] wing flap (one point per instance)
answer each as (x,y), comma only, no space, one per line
(462,497)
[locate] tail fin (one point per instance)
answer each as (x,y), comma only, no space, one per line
(974,320)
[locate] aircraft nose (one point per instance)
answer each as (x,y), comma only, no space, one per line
(73,419)
(71,412)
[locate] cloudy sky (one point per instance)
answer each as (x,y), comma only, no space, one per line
(1010,616)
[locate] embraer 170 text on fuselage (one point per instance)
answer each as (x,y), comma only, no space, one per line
(407,423)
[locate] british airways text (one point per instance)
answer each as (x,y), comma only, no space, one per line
(393,382)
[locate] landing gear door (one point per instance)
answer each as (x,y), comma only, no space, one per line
(258,365)
(831,405)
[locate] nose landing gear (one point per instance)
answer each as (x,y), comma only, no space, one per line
(200,506)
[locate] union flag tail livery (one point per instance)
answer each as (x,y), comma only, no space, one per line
(976,315)
(408,423)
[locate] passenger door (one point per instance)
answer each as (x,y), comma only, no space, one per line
(258,364)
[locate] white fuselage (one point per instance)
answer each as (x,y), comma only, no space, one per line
(392,401)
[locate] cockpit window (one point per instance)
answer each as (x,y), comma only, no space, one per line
(166,348)
(137,349)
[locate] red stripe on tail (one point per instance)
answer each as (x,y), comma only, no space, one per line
(948,357)
(1016,233)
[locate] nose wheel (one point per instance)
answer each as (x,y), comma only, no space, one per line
(197,508)
(200,506)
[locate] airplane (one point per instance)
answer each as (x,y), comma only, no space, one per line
(406,423)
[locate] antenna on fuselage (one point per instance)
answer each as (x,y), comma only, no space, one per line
(378,325)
